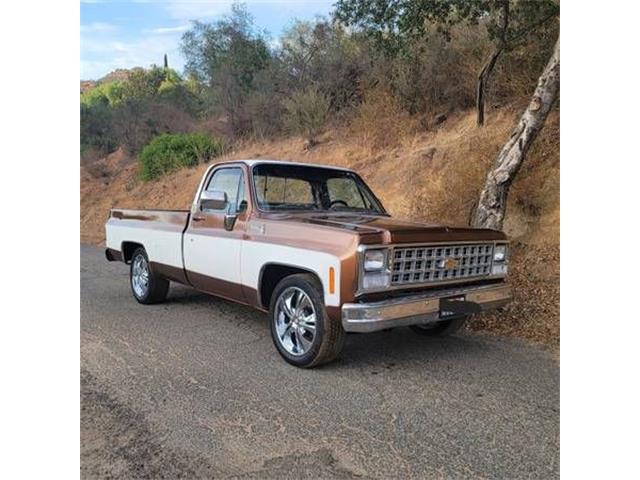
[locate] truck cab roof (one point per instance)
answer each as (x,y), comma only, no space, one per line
(260,161)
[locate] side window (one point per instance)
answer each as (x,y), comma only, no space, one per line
(229,181)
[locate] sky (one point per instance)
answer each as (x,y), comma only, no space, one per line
(137,33)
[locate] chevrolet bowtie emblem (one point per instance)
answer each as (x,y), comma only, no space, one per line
(450,263)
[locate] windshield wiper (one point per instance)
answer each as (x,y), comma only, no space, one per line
(356,209)
(291,206)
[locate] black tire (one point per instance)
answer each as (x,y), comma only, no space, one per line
(329,335)
(158,287)
(441,329)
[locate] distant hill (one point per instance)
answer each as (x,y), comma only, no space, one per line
(116,75)
(86,85)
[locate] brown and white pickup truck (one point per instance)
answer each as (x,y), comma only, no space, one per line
(314,247)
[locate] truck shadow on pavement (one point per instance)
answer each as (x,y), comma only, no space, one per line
(385,350)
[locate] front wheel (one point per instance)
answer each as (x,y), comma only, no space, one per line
(301,329)
(146,286)
(441,329)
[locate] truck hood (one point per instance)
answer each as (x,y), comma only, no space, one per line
(374,229)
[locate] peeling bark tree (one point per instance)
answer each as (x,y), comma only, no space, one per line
(493,199)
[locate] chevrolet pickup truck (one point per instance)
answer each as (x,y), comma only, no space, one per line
(312,246)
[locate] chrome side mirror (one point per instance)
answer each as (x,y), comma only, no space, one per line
(213,200)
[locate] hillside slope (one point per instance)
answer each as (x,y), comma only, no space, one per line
(434,176)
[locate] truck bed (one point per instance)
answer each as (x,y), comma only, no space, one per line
(160,231)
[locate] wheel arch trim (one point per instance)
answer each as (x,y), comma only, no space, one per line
(128,247)
(285,265)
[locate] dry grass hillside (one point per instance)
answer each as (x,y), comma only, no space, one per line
(434,175)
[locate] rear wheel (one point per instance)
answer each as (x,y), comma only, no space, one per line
(301,329)
(146,286)
(440,329)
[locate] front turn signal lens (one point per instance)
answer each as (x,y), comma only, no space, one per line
(332,280)
(499,269)
(376,281)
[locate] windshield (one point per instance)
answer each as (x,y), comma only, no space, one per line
(294,187)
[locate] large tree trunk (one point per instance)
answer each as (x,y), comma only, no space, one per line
(493,199)
(483,80)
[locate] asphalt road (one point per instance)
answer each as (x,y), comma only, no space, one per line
(195,388)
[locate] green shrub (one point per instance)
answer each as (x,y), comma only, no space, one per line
(169,152)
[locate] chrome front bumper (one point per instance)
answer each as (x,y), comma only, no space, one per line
(423,308)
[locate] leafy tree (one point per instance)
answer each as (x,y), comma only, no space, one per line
(179,96)
(226,56)
(143,84)
(153,101)
(96,127)
(108,94)
(306,113)
(133,123)
(131,111)
(325,54)
(509,23)
(264,105)
(95,96)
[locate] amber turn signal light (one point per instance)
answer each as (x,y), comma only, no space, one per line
(332,280)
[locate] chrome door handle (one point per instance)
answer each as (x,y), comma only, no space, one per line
(198,219)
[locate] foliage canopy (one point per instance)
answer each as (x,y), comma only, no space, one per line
(226,56)
(421,57)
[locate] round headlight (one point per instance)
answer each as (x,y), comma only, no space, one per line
(374,260)
(500,253)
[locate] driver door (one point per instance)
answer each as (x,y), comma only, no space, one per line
(211,248)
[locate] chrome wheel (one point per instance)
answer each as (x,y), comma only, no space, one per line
(295,321)
(140,276)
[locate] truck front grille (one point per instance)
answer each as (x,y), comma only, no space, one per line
(440,263)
